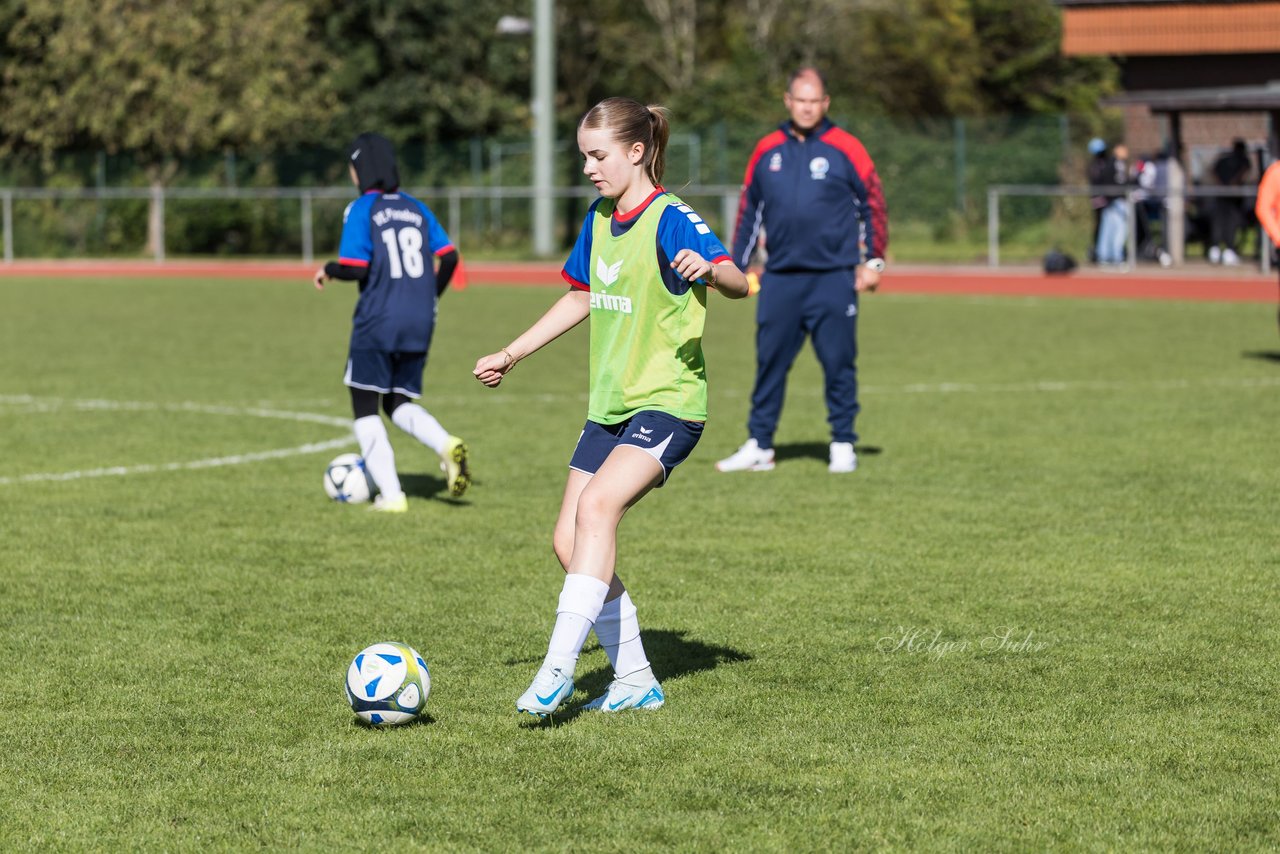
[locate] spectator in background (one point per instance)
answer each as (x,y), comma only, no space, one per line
(1228,213)
(1152,178)
(1113,228)
(812,188)
(1268,208)
(1098,172)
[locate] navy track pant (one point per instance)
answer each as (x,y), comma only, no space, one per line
(824,307)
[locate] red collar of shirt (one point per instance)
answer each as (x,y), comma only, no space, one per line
(638,209)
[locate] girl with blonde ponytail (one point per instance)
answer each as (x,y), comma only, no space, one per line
(640,269)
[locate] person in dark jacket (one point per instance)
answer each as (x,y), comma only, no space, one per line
(1100,173)
(1228,216)
(812,191)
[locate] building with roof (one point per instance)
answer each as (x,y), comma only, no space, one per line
(1195,74)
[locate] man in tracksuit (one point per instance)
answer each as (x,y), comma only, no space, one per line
(813,190)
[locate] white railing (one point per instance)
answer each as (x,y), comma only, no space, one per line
(1174,205)
(446,202)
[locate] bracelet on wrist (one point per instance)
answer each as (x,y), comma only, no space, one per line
(511,360)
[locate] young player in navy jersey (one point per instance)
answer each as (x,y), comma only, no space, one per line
(390,242)
(640,270)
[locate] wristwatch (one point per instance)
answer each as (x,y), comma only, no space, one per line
(875,265)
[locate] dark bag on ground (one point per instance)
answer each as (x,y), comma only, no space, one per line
(1057,262)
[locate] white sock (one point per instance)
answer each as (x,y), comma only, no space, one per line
(619,633)
(379,459)
(421,425)
(581,599)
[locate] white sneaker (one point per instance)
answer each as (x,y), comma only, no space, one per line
(551,687)
(624,696)
(843,459)
(1215,255)
(1230,258)
(750,457)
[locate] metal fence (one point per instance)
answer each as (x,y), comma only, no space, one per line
(447,203)
(494,208)
(1173,205)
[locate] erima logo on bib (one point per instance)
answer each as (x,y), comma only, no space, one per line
(608,273)
(609,302)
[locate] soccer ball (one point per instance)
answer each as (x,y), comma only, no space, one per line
(388,684)
(347,481)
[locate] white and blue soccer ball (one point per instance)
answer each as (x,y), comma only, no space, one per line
(347,481)
(388,684)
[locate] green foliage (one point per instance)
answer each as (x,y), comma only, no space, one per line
(1099,475)
(235,92)
(425,71)
(1023,66)
(922,57)
(167,80)
(160,79)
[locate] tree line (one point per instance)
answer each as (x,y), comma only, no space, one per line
(168,79)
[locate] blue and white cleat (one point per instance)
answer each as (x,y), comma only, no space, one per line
(551,687)
(621,695)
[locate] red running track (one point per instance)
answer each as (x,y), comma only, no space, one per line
(1232,286)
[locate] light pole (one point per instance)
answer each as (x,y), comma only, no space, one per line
(544,126)
(544,117)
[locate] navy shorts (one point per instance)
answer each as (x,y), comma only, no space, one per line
(667,439)
(384,371)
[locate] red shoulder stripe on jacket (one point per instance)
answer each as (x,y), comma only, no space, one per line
(773,140)
(878,226)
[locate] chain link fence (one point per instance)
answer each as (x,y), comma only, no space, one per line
(289,204)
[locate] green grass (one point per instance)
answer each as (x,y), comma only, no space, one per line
(1098,477)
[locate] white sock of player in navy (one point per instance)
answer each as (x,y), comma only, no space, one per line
(581,599)
(421,425)
(618,630)
(379,459)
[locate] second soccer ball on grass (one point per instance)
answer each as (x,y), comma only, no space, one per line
(346,480)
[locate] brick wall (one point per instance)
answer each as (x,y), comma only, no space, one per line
(1204,135)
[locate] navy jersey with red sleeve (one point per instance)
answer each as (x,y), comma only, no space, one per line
(398,239)
(818,200)
(679,228)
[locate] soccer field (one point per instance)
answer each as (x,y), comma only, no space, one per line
(1042,614)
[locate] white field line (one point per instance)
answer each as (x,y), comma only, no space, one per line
(27,404)
(505,396)
(1072,385)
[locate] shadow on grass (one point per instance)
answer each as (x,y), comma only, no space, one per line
(1263,355)
(429,486)
(672,655)
(818,451)
(420,720)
